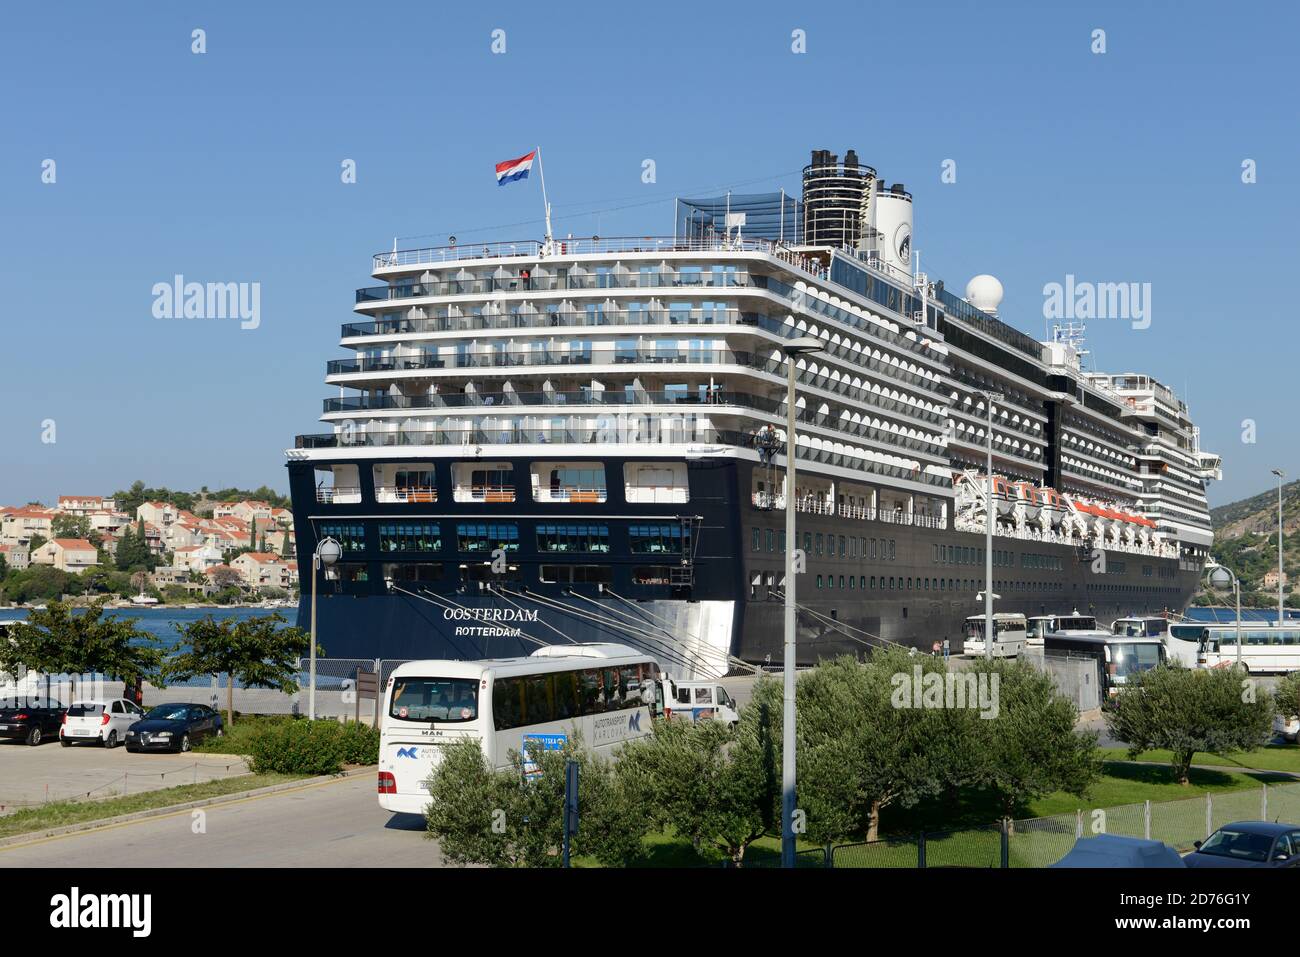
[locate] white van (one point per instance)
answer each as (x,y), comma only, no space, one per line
(700,700)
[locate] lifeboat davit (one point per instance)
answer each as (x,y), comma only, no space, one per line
(1027,500)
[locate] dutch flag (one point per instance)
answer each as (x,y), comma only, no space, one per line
(514,169)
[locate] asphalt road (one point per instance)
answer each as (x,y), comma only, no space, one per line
(335,824)
(49,772)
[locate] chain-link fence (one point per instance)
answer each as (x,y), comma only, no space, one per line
(1042,841)
(336,684)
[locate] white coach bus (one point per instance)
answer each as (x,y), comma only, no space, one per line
(606,692)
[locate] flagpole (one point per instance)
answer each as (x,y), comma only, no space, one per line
(541,171)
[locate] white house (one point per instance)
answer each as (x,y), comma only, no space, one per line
(67,554)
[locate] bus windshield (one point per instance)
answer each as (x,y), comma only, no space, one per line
(1128,658)
(434,699)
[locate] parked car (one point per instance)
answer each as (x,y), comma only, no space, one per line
(102,721)
(1114,850)
(33,722)
(1249,844)
(173,727)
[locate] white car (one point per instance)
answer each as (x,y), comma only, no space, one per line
(102,721)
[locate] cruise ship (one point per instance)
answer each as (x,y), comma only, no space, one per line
(584,439)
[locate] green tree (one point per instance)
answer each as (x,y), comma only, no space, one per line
(285,552)
(1189,710)
(70,526)
(1028,746)
(514,817)
(59,640)
(694,779)
(1286,695)
(257,652)
(36,542)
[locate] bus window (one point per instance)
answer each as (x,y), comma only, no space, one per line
(566,695)
(508,703)
(537,699)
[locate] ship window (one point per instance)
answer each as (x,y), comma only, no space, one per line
(573,538)
(482,573)
(820,543)
(754,540)
(486,538)
(662,575)
(655,539)
(410,538)
(351,538)
(413,571)
(577,574)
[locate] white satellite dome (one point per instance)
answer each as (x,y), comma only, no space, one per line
(984,292)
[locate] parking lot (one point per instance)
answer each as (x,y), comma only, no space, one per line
(49,772)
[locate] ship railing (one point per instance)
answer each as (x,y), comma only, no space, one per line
(648,433)
(816,506)
(489,285)
(569,247)
(421,494)
(338,493)
(571,493)
(657,494)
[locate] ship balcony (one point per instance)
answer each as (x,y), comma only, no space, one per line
(574,278)
(648,433)
(384,372)
(715,401)
(338,494)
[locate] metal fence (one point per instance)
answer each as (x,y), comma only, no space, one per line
(1042,841)
(1076,678)
(335,689)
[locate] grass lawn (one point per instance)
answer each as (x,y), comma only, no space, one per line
(60,813)
(1271,757)
(958,833)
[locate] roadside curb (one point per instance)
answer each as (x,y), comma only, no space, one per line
(66,829)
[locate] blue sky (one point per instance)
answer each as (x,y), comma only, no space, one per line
(225,167)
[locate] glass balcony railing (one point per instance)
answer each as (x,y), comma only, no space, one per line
(671,432)
(718,399)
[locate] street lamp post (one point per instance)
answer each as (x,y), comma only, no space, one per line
(327,553)
(804,345)
(1281,615)
(1221,576)
(989,506)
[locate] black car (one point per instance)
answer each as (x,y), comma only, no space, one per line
(173,727)
(1249,844)
(35,721)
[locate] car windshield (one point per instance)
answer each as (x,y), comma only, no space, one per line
(168,712)
(434,699)
(83,709)
(1242,845)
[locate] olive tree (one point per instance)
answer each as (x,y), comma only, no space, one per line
(1189,710)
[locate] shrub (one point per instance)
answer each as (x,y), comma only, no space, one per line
(360,743)
(298,747)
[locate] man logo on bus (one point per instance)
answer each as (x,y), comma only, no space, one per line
(407,752)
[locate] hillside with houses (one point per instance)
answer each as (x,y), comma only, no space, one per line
(1245,540)
(169,547)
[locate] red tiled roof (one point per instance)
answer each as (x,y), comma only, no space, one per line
(74,544)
